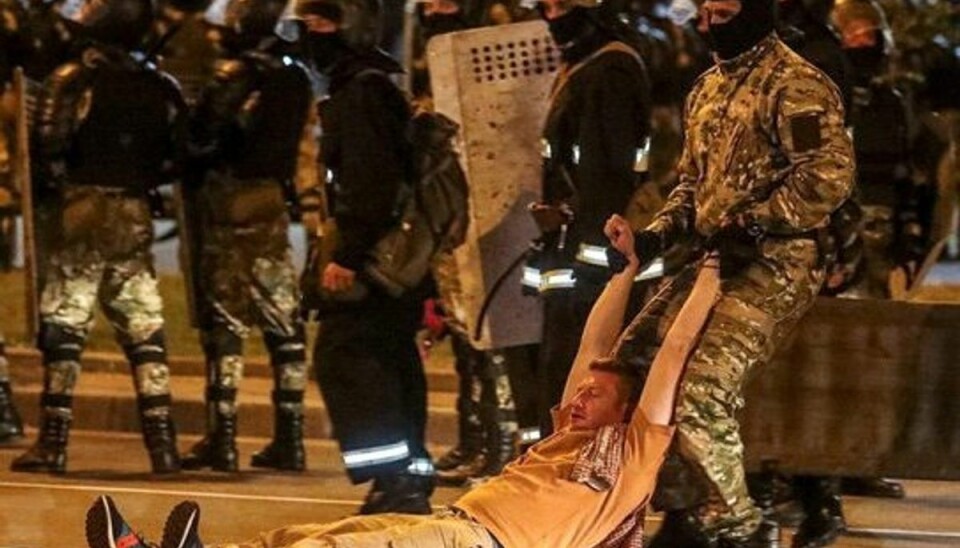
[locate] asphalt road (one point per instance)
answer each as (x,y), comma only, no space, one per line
(47,511)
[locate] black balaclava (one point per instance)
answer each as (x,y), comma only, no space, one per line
(326,48)
(754,22)
(576,34)
(868,62)
(436,24)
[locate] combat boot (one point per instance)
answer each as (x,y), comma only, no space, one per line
(286,451)
(11,427)
(767,535)
(681,528)
(398,493)
(160,438)
(49,453)
(470,443)
(466,470)
(218,449)
(823,521)
(500,445)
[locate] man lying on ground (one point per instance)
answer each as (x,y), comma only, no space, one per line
(586,485)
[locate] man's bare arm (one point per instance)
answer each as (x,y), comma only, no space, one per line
(606,317)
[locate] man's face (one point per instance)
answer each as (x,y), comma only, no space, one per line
(717,12)
(597,402)
(554,8)
(859,33)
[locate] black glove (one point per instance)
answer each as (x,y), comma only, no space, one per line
(738,244)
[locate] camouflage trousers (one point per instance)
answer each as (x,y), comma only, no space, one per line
(757,308)
(103,257)
(248,280)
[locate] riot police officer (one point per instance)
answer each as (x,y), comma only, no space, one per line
(594,147)
(366,357)
(245,133)
(105,135)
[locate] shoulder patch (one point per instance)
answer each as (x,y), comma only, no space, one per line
(805,131)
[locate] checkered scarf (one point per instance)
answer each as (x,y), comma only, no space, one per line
(598,466)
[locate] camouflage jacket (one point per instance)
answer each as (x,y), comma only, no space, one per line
(764,139)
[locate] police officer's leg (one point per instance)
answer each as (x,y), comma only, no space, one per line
(130,299)
(223,349)
(565,313)
(11,427)
(363,396)
(467,452)
(709,433)
(823,511)
(759,307)
(401,320)
(289,361)
(498,412)
(66,312)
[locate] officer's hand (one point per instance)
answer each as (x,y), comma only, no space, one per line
(620,233)
(337,278)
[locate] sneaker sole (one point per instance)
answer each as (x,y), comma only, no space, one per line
(99,525)
(179,524)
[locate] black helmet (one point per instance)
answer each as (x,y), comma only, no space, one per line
(254,18)
(243,24)
(120,22)
(358,21)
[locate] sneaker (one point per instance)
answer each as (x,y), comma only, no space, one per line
(106,528)
(182,527)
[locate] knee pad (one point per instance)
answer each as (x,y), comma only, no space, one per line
(152,350)
(59,343)
(221,341)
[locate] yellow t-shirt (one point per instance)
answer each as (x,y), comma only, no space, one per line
(533,503)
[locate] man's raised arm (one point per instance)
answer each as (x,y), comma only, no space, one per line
(606,317)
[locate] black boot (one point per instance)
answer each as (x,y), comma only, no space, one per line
(470,429)
(49,453)
(218,449)
(11,427)
(160,438)
(767,535)
(871,487)
(286,451)
(466,470)
(823,509)
(399,493)
(681,528)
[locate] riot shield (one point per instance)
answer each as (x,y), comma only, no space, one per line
(191,241)
(495,83)
(21,175)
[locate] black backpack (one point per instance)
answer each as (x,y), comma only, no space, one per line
(435,213)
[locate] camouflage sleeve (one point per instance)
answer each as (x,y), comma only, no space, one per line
(815,164)
(678,214)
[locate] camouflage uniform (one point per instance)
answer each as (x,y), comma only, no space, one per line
(247,126)
(105,135)
(765,143)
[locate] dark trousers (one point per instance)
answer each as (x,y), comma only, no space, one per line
(564,316)
(373,383)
